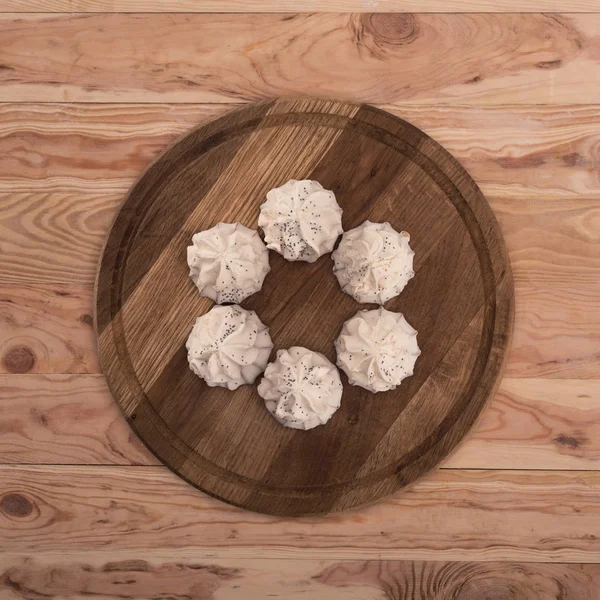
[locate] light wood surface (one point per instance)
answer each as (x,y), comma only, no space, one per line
(480,59)
(514,152)
(537,516)
(181,574)
(529,137)
(530,424)
(259,6)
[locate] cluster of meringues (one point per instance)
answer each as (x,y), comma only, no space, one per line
(230,346)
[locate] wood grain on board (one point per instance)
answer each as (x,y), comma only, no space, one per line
(312,6)
(180,574)
(539,516)
(377,58)
(227,444)
(529,424)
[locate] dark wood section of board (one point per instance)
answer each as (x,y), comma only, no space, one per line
(460,301)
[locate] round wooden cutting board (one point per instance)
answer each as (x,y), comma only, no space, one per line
(460,301)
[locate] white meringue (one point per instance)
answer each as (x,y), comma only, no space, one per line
(377,349)
(301,220)
(301,389)
(228,262)
(229,346)
(373,262)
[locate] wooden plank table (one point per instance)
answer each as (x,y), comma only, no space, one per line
(88,99)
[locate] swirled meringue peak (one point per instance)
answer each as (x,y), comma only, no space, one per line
(228,262)
(229,346)
(377,349)
(301,389)
(373,262)
(301,220)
